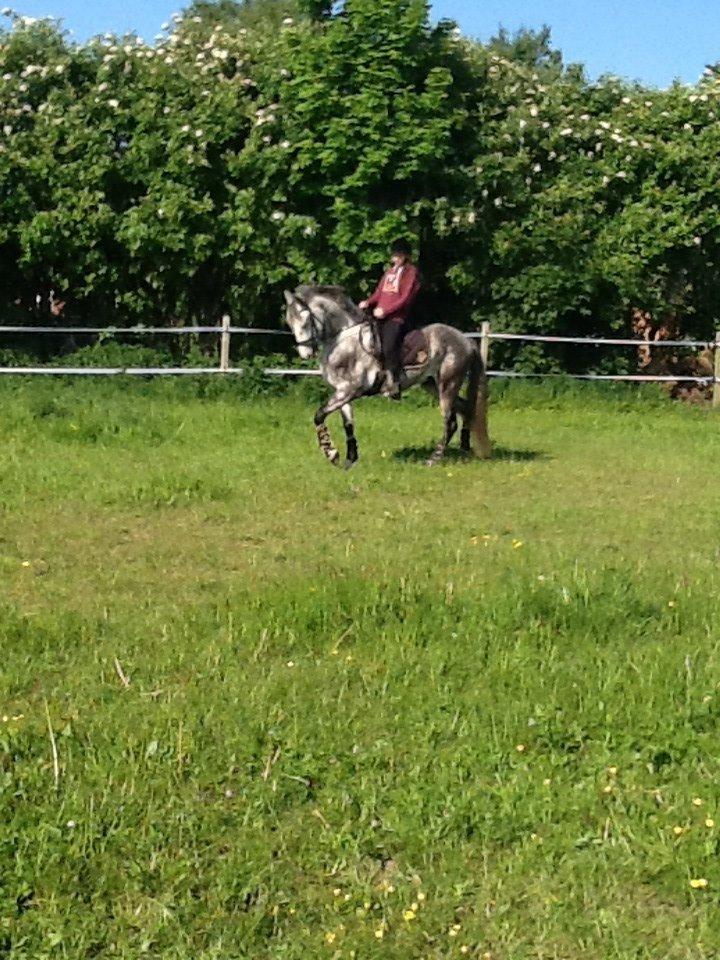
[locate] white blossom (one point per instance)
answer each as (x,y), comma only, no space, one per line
(567,132)
(288,22)
(114,104)
(277,216)
(697,241)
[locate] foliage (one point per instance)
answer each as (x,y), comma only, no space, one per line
(330,675)
(255,145)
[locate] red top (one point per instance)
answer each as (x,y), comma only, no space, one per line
(396,292)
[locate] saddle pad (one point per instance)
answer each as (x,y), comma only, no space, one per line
(414,349)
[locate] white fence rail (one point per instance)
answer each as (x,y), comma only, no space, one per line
(226,331)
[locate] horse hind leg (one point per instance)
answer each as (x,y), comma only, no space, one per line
(449,389)
(462,409)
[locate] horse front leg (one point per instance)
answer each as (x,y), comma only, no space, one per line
(352,455)
(336,402)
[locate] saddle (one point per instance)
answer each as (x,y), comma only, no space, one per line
(415,347)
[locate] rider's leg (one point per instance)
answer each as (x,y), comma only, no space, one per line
(392,335)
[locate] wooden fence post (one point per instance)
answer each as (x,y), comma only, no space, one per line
(485,343)
(225,344)
(716,383)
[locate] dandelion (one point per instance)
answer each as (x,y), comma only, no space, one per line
(380,933)
(337,891)
(608,788)
(699,884)
(517,544)
(709,823)
(409,915)
(613,771)
(421,896)
(678,831)
(330,937)
(26,563)
(697,802)
(547,781)
(520,748)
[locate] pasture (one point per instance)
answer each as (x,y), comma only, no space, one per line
(395,713)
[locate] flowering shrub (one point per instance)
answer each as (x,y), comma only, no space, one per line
(171,181)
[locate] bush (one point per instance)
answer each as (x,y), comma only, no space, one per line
(246,151)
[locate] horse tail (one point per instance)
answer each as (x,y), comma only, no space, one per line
(477,405)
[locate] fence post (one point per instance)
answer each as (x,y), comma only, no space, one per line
(485,343)
(716,381)
(225,344)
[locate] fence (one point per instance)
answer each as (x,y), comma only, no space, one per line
(226,331)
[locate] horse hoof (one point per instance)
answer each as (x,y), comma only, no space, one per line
(334,458)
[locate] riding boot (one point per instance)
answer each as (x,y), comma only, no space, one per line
(393,387)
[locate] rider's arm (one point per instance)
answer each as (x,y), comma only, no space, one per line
(375,298)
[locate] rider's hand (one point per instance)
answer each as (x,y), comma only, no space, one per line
(378,313)
(363,304)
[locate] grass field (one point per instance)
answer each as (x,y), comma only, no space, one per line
(394,713)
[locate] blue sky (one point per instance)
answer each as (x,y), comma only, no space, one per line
(650,40)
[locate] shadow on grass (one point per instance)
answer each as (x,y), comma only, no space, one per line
(454,455)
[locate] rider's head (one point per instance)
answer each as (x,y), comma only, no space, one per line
(400,252)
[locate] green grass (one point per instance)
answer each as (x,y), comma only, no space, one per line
(331,675)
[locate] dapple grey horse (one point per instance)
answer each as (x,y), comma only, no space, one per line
(327,324)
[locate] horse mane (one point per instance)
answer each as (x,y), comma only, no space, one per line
(335,302)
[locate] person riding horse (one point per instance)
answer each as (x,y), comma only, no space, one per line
(391,305)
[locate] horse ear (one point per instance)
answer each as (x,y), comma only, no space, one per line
(289,298)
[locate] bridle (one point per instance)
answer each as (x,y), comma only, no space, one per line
(315,339)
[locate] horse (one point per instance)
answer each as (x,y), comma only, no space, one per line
(328,325)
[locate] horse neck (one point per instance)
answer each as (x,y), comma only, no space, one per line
(332,318)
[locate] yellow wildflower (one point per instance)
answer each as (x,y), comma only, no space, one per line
(710,823)
(678,831)
(697,802)
(380,933)
(330,937)
(699,884)
(409,915)
(517,544)
(520,748)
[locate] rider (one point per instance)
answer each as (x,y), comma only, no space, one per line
(391,304)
